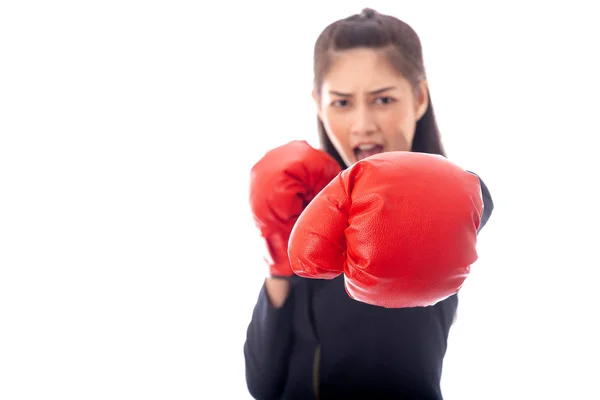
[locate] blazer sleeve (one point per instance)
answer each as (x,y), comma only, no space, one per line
(268,346)
(488,203)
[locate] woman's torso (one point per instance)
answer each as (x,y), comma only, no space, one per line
(347,349)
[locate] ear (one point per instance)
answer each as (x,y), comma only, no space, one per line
(422,99)
(317,100)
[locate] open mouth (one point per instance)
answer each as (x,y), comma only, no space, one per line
(366,150)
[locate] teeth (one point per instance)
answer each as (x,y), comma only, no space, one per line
(369,146)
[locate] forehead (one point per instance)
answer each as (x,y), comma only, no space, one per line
(358,69)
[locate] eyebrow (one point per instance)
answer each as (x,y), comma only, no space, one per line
(376,91)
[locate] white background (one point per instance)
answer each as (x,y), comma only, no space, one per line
(129,265)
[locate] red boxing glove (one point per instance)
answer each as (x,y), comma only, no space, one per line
(282,183)
(401,226)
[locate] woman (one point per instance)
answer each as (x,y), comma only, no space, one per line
(308,338)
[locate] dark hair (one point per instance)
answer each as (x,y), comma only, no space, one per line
(402,47)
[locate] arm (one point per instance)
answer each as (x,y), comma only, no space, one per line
(488,207)
(488,203)
(269,340)
(282,182)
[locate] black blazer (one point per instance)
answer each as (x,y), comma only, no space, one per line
(324,345)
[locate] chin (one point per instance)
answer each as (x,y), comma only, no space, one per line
(360,158)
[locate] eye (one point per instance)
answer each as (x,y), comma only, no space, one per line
(385,100)
(339,103)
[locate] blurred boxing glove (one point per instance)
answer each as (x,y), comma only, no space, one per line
(282,183)
(401,226)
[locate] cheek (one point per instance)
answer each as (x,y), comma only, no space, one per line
(399,125)
(337,126)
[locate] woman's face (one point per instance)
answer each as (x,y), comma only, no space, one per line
(367,107)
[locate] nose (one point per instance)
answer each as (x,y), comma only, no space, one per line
(364,122)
